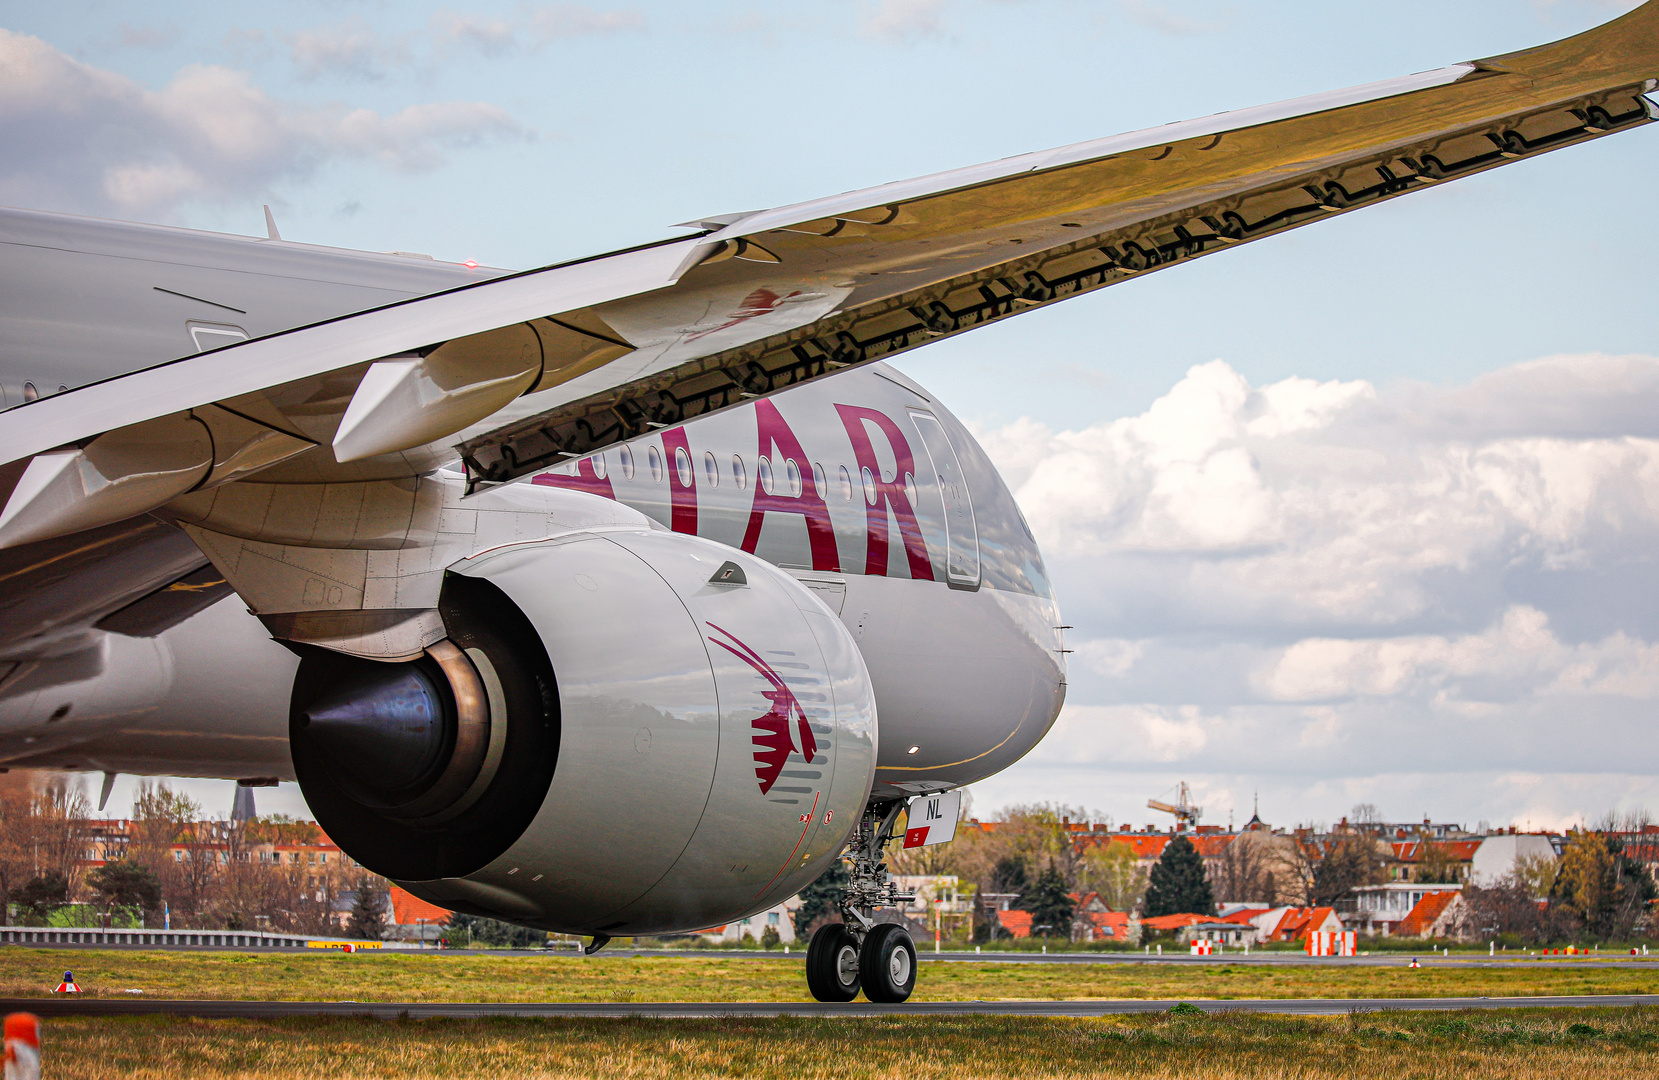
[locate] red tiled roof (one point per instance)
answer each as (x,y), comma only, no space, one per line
(1017,923)
(1247,916)
(1175,922)
(408,908)
(1428,911)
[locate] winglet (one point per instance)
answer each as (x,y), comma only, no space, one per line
(270,225)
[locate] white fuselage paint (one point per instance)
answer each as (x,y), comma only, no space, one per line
(970,675)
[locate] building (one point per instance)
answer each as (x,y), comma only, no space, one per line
(413,919)
(1434,916)
(780,918)
(1380,909)
(1496,857)
(1295,923)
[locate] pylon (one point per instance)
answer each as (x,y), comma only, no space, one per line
(67,986)
(1414,963)
(22,1047)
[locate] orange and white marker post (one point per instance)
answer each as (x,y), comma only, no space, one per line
(22,1047)
(67,986)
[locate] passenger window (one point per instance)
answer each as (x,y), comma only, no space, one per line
(599,466)
(819,484)
(910,488)
(682,466)
(763,472)
(846,485)
(740,476)
(30,393)
(626,456)
(654,460)
(869,485)
(792,473)
(711,469)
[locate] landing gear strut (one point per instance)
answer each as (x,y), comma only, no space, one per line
(860,953)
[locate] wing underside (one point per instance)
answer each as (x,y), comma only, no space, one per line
(520,372)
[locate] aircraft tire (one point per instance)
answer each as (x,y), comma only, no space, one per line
(887,964)
(832,964)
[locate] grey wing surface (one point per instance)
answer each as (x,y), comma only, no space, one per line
(525,370)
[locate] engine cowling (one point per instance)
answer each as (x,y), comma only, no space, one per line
(628,731)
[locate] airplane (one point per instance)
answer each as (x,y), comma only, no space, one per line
(622,596)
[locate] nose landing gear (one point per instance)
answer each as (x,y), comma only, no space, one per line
(860,953)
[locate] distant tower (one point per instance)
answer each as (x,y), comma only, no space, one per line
(241,807)
(1255,823)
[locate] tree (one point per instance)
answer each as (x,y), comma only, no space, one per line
(43,895)
(468,929)
(770,938)
(127,885)
(1437,865)
(1179,884)
(1048,902)
(1605,890)
(1244,873)
(821,901)
(1506,909)
(1113,871)
(1349,863)
(368,912)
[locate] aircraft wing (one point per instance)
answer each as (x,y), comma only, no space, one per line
(523,371)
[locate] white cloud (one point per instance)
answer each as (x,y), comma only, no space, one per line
(1308,585)
(82,139)
(528,28)
(351,48)
(904,20)
(1159,18)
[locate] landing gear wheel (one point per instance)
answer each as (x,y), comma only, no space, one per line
(832,964)
(887,963)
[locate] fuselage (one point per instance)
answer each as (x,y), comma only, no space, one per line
(864,487)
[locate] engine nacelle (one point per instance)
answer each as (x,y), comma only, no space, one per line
(628,731)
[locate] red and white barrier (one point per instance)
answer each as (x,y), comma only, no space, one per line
(1332,943)
(1203,948)
(67,986)
(22,1047)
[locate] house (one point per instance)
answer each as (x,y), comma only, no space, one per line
(1295,923)
(1380,909)
(1434,916)
(413,919)
(1496,857)
(1115,926)
(780,917)
(1173,924)
(1217,932)
(1015,923)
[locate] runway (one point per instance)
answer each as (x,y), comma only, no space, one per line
(270,1010)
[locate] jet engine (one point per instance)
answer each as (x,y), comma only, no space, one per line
(625,731)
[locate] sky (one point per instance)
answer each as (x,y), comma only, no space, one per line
(1364,513)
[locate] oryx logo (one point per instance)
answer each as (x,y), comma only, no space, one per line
(774,742)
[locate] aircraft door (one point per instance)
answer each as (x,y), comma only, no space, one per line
(961,532)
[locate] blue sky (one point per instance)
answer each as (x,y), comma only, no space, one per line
(519,134)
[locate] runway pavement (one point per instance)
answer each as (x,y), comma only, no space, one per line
(266,1010)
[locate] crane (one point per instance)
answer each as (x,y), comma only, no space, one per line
(1185,811)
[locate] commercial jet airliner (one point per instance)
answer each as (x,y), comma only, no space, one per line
(623,596)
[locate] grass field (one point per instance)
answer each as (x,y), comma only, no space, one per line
(27,972)
(1524,1044)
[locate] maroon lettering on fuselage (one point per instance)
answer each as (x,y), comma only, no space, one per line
(682,481)
(587,479)
(889,494)
(779,444)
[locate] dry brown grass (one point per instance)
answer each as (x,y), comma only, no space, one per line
(437,977)
(1525,1045)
